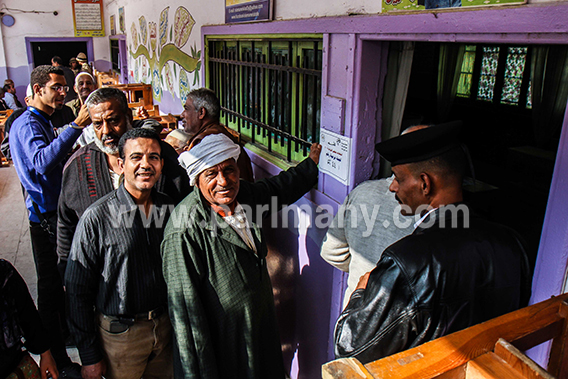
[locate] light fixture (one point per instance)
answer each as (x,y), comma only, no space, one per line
(8,20)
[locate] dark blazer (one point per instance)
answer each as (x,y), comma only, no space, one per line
(438,280)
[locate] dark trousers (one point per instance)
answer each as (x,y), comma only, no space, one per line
(51,297)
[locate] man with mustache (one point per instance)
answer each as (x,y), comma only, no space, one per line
(38,157)
(114,280)
(93,170)
(219,292)
(454,271)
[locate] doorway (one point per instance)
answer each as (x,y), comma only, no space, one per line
(41,50)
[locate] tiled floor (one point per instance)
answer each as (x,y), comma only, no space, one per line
(15,245)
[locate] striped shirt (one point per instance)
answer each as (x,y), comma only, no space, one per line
(115,266)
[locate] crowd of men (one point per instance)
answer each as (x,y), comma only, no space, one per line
(149,258)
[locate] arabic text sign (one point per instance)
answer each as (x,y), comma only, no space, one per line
(335,156)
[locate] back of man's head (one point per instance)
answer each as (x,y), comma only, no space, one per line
(40,74)
(102,95)
(57,61)
(207,99)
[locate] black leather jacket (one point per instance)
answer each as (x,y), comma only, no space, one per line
(436,281)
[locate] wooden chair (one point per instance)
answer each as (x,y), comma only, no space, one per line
(493,349)
(136,91)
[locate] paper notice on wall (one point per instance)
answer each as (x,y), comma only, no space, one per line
(335,159)
(88,18)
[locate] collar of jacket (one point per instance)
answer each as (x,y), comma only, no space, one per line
(212,221)
(130,206)
(446,216)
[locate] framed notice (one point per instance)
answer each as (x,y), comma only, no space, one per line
(335,158)
(88,18)
(121,21)
(112,25)
(247,10)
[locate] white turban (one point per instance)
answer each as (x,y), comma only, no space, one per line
(212,150)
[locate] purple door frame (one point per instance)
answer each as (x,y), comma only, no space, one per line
(354,49)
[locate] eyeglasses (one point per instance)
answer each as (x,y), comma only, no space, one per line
(59,88)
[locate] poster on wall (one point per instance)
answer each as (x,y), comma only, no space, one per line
(112,25)
(335,155)
(121,22)
(409,5)
(247,10)
(88,18)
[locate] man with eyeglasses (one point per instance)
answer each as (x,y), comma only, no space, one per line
(39,157)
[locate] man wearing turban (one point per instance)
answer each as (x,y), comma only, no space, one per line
(214,261)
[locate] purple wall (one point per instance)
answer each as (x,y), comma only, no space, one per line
(354,65)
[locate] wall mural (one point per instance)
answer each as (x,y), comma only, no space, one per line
(162,61)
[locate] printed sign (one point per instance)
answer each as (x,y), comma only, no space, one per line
(246,10)
(88,18)
(335,156)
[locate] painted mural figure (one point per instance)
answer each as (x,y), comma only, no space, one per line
(455,270)
(219,291)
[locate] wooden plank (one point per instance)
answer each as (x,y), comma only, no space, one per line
(490,366)
(345,368)
(456,349)
(519,361)
(558,363)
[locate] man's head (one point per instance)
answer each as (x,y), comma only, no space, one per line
(49,88)
(73,63)
(178,139)
(9,86)
(212,166)
(2,92)
(57,61)
(201,106)
(428,166)
(140,160)
(110,116)
(84,85)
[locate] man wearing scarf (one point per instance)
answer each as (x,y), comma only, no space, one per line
(214,259)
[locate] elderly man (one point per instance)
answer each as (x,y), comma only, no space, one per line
(455,270)
(38,157)
(219,292)
(93,171)
(84,85)
(200,118)
(114,278)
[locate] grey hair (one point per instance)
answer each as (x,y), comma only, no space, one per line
(206,98)
(102,95)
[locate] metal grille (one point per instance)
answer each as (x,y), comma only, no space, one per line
(270,91)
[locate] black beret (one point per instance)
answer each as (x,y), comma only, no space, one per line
(421,144)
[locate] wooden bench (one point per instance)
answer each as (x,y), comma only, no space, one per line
(493,349)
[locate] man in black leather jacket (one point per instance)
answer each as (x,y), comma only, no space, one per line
(455,270)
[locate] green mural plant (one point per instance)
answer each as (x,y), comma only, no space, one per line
(151,61)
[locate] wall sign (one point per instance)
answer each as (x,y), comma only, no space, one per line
(112,25)
(88,18)
(247,10)
(335,156)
